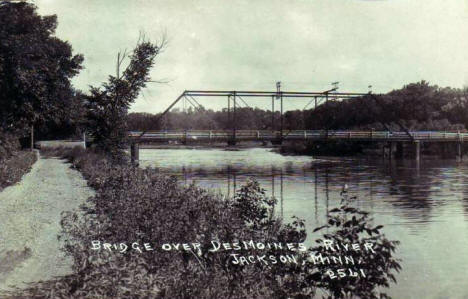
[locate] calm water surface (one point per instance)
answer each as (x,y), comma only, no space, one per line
(424,206)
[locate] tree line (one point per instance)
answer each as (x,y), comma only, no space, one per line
(416,106)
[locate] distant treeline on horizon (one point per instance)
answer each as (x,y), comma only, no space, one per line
(416,106)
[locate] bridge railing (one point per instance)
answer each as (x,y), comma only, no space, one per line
(299,135)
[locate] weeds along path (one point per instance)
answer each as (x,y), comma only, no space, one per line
(30,222)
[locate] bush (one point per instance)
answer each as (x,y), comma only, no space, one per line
(9,145)
(353,226)
(13,168)
(141,205)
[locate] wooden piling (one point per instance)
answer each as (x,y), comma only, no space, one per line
(417,149)
(392,149)
(135,153)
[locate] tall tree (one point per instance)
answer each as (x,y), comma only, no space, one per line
(35,67)
(108,105)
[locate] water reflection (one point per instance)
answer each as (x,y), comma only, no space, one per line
(411,192)
(424,205)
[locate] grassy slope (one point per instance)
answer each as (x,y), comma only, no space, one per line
(13,168)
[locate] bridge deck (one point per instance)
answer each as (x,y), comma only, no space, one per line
(263,135)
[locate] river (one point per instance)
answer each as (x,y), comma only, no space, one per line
(423,205)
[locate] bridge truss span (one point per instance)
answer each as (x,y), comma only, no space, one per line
(235,97)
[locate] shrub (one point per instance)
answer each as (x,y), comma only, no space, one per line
(9,145)
(13,168)
(353,226)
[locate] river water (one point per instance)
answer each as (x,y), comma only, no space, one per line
(423,205)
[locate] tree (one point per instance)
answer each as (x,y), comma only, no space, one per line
(35,68)
(108,105)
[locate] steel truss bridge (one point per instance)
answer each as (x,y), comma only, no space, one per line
(236,99)
(277,133)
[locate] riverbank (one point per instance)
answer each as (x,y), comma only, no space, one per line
(30,215)
(149,209)
(140,205)
(13,168)
(343,148)
(151,212)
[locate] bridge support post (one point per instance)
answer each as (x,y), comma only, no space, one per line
(392,149)
(417,150)
(459,151)
(135,153)
(184,140)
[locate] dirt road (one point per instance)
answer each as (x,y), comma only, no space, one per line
(30,222)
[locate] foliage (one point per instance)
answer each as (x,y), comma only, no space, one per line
(416,106)
(133,204)
(9,144)
(13,162)
(14,167)
(35,68)
(70,125)
(353,226)
(205,119)
(141,205)
(108,105)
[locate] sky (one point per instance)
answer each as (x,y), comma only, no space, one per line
(251,44)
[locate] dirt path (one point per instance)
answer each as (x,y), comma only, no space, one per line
(30,222)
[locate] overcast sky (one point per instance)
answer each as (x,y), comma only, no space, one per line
(251,44)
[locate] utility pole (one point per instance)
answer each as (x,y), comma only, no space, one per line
(335,87)
(229,112)
(272,114)
(234,117)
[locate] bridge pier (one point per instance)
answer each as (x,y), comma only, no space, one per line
(135,153)
(459,151)
(417,150)
(184,139)
(277,141)
(392,149)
